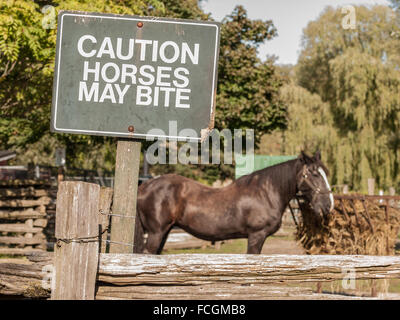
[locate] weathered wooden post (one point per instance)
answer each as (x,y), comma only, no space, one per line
(125,194)
(60,163)
(60,174)
(76,253)
(104,218)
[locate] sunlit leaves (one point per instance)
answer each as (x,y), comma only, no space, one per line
(248,90)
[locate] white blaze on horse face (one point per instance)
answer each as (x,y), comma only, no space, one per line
(323,174)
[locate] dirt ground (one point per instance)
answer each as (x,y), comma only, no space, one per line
(277,245)
(283,242)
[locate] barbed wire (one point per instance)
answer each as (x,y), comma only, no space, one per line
(98,237)
(78,240)
(121,243)
(115,215)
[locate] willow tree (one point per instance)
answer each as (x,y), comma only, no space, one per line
(309,122)
(356,72)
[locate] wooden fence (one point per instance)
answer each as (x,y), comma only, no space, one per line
(27,211)
(82,272)
(197,276)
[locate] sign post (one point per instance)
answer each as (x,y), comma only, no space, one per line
(133,77)
(60,163)
(125,195)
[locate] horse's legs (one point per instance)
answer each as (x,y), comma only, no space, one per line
(153,242)
(164,239)
(156,240)
(255,241)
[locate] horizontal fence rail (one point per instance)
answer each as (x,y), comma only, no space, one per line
(201,276)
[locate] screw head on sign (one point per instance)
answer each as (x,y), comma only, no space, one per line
(131,128)
(140,24)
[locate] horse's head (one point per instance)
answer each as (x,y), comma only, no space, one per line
(313,185)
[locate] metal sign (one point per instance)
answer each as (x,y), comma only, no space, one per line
(130,76)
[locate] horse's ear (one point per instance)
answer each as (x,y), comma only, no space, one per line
(301,156)
(317,156)
(304,158)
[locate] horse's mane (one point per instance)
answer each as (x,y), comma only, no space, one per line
(320,164)
(278,171)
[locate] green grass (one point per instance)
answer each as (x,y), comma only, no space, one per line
(6,256)
(394,285)
(290,237)
(13,257)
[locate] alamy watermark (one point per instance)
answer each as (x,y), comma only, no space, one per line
(49,19)
(349,279)
(349,21)
(48,277)
(208,152)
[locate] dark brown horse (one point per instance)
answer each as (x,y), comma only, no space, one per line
(251,207)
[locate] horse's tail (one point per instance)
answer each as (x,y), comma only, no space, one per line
(139,235)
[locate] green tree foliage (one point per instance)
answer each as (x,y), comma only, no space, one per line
(187,9)
(356,73)
(248,89)
(26,66)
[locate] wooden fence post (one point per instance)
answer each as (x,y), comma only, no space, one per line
(76,255)
(125,195)
(60,174)
(104,206)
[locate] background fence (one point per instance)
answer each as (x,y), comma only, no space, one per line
(55,174)
(27,215)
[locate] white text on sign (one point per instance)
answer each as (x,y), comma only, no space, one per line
(164,86)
